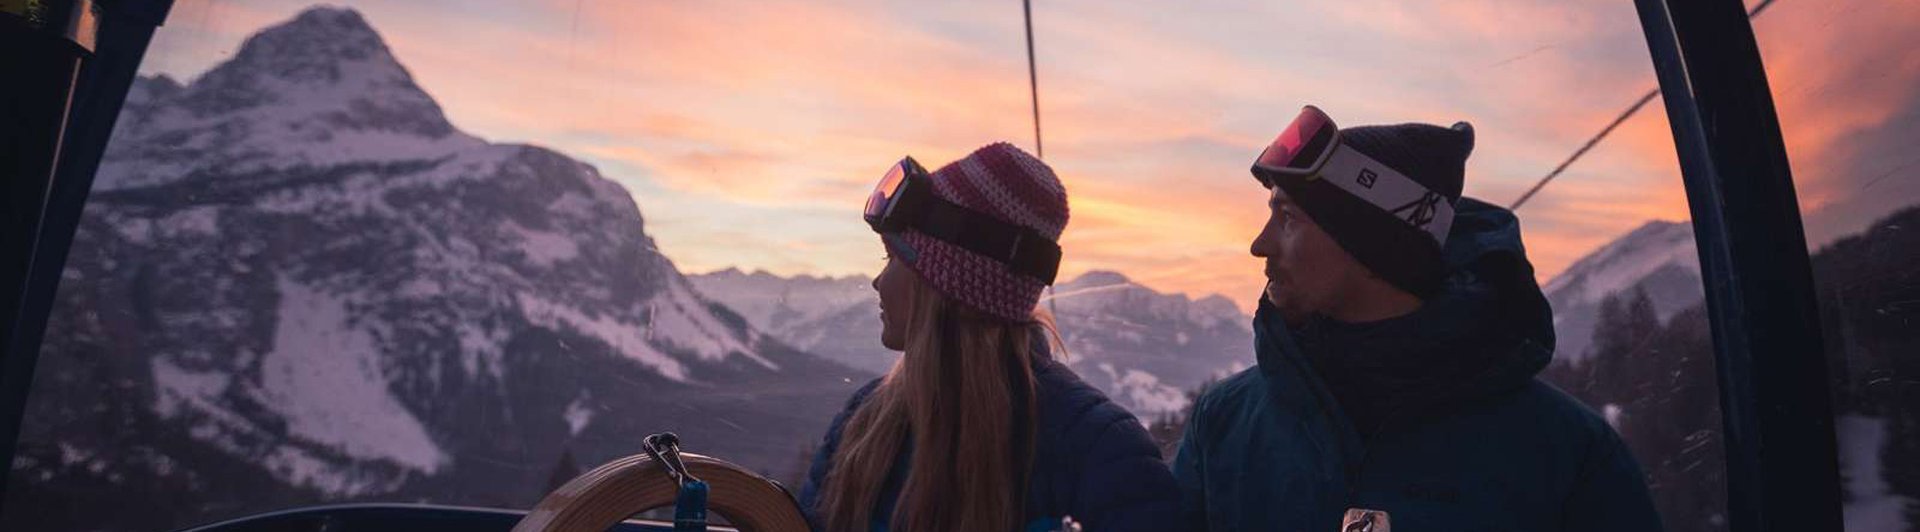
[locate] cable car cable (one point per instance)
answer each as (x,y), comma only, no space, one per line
(1635,108)
(1602,135)
(1033,79)
(1033,91)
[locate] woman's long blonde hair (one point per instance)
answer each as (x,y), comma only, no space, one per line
(964,392)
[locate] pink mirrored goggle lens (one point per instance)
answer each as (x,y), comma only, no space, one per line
(1301,144)
(884,191)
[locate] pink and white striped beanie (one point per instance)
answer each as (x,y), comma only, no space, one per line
(1001,181)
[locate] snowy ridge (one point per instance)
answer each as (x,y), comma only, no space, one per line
(324,379)
(628,338)
(318,91)
(777,304)
(1658,258)
(1617,266)
(1159,345)
(1145,349)
(299,280)
(1098,291)
(341,133)
(541,247)
(1143,391)
(680,318)
(836,317)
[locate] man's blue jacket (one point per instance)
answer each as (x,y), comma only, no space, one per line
(1454,431)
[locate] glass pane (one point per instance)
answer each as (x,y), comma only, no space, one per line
(1847,87)
(458,252)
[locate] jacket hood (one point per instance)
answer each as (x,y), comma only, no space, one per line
(1488,330)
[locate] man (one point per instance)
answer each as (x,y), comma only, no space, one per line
(1397,341)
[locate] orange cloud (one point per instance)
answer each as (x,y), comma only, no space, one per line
(1837,70)
(778,115)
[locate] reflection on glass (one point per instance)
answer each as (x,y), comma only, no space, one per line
(1847,86)
(394,252)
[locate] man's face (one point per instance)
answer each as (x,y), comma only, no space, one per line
(1306,270)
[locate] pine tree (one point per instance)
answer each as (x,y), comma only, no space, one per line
(563,472)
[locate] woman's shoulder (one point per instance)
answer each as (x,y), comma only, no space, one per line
(860,395)
(829,444)
(1061,392)
(1067,404)
(853,404)
(1078,413)
(1097,462)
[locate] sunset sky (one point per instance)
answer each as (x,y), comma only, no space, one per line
(749,132)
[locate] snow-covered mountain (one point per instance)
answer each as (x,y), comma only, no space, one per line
(1658,258)
(1144,348)
(792,299)
(1656,381)
(1150,347)
(296,281)
(835,317)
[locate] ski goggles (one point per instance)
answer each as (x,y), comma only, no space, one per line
(905,199)
(1310,149)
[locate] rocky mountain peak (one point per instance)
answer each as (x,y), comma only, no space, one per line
(314,41)
(330,61)
(1097,278)
(1651,245)
(320,90)
(343,297)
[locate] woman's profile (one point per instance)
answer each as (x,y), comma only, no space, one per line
(977,427)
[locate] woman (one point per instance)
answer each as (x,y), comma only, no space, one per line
(977,428)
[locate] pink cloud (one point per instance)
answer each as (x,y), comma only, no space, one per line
(789,110)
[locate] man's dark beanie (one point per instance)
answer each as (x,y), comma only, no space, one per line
(1435,157)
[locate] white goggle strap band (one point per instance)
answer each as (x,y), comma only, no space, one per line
(1391,191)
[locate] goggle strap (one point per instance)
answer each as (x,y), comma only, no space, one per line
(1376,183)
(1021,248)
(899,247)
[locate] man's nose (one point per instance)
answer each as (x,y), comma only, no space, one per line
(1262,246)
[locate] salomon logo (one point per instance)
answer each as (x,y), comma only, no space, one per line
(1367,177)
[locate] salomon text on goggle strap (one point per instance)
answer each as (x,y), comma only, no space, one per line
(904,199)
(1311,149)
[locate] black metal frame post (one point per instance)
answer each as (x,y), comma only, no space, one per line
(45,45)
(1782,466)
(40,64)
(1782,462)
(125,28)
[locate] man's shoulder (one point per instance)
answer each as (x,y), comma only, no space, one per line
(1245,389)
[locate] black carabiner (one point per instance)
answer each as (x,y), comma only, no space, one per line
(665,449)
(690,505)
